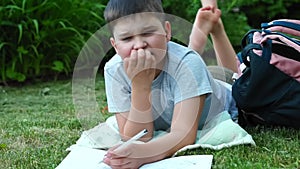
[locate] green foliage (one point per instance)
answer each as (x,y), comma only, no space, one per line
(184,9)
(258,11)
(41,37)
(238,15)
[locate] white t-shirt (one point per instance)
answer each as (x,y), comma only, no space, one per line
(184,76)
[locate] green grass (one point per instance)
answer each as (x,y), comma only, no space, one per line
(38,123)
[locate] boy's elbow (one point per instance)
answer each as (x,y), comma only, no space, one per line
(190,140)
(187,138)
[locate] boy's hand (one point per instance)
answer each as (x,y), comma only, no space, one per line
(129,157)
(140,66)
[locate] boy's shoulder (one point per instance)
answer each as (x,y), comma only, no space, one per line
(178,49)
(180,52)
(115,60)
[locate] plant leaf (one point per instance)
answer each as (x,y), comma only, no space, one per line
(58,66)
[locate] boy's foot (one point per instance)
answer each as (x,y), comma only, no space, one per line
(207,19)
(214,5)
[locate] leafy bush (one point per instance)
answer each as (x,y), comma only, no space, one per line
(259,11)
(44,37)
(238,15)
(235,21)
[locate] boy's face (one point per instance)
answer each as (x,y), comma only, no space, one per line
(141,31)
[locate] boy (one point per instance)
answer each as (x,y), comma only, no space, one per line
(155,84)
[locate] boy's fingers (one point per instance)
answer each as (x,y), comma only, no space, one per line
(149,60)
(126,62)
(141,58)
(119,163)
(120,153)
(132,60)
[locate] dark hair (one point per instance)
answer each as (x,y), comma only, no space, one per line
(116,9)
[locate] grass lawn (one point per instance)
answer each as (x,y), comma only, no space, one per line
(38,122)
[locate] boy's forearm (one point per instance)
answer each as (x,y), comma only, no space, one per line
(167,145)
(140,114)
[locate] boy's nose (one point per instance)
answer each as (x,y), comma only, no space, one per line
(139,43)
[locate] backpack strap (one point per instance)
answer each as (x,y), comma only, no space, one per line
(296,41)
(247,52)
(248,37)
(288,26)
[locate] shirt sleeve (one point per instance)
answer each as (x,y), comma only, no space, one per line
(117,87)
(192,78)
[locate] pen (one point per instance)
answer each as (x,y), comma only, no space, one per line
(131,140)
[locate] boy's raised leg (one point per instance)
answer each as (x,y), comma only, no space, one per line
(225,53)
(205,22)
(209,3)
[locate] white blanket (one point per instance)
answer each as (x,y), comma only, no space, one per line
(219,133)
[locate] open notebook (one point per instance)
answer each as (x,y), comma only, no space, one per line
(88,158)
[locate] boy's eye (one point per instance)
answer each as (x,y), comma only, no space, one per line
(126,38)
(148,33)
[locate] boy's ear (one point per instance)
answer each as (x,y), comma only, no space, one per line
(168,30)
(113,44)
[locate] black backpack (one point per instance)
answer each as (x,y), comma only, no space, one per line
(264,94)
